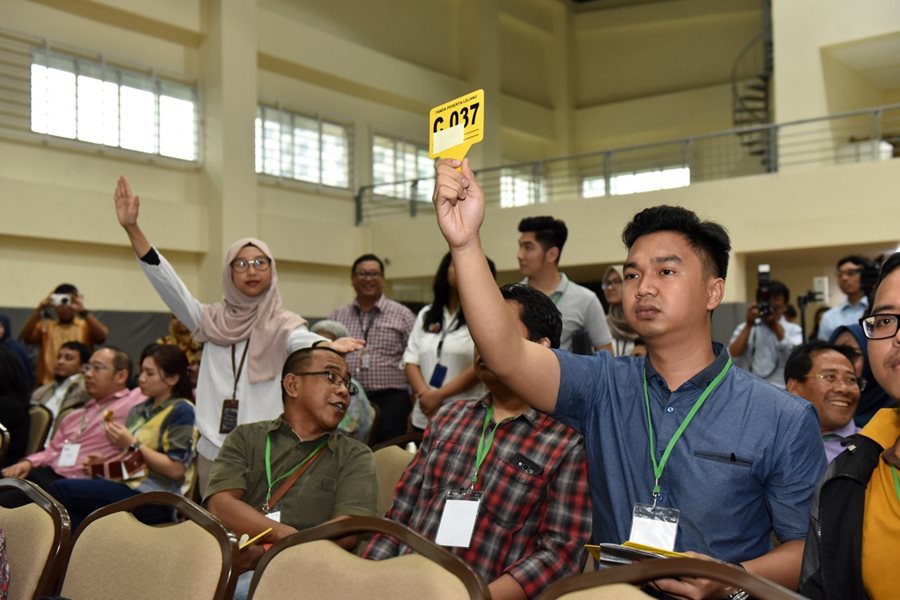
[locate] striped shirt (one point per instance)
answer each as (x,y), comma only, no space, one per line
(386,329)
(168,428)
(535,516)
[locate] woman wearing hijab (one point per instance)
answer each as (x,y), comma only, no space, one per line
(623,334)
(247,336)
(873,398)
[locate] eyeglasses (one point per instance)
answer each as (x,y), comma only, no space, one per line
(610,284)
(832,379)
(334,379)
(367,274)
(848,272)
(880,326)
(242,264)
(95,367)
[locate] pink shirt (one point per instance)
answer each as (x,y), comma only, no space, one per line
(85,426)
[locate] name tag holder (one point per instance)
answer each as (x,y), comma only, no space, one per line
(458,518)
(68,457)
(655,526)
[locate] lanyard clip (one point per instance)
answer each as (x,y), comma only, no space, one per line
(656,492)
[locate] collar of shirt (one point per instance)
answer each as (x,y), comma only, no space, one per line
(705,376)
(845,431)
(284,428)
(147,409)
(560,287)
(864,302)
(530,415)
(379,304)
(107,399)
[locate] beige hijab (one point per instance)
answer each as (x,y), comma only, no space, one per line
(261,319)
(618,326)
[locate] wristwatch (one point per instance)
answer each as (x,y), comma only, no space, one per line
(739,594)
(135,445)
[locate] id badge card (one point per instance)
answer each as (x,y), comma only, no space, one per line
(229,415)
(654,526)
(458,519)
(366,359)
(438,376)
(274,514)
(69,455)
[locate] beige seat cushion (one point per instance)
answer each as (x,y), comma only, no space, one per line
(323,570)
(29,536)
(119,557)
(616,591)
(390,463)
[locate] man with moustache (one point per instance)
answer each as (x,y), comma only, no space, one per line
(855,527)
(689,452)
(81,434)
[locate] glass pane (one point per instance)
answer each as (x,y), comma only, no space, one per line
(53,101)
(98,111)
(593,187)
(257,125)
(335,155)
(177,128)
(306,150)
(138,123)
(271,147)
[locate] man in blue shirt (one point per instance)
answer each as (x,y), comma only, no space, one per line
(680,429)
(850,280)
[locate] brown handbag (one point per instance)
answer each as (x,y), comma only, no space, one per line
(128,465)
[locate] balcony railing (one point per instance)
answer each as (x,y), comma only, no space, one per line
(858,136)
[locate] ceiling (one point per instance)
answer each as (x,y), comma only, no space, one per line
(876,59)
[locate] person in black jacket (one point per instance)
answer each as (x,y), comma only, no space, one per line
(14,394)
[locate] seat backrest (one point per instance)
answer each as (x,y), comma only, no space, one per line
(116,556)
(584,585)
(59,418)
(4,442)
(311,562)
(390,462)
(40,421)
(36,534)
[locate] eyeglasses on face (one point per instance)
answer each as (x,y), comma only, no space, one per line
(95,367)
(260,263)
(848,272)
(367,274)
(832,379)
(334,379)
(611,284)
(880,326)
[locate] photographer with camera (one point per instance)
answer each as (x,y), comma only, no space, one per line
(763,343)
(73,323)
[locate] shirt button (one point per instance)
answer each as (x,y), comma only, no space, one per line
(670,409)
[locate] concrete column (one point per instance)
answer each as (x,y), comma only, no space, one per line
(228,185)
(480,59)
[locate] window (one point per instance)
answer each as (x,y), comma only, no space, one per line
(521,187)
(94,102)
(633,183)
(302,148)
(398,161)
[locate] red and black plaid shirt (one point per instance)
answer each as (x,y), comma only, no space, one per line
(535,516)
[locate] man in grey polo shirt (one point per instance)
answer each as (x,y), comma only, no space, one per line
(680,430)
(540,246)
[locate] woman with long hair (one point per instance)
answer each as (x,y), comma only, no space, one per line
(439,353)
(247,336)
(159,432)
(623,334)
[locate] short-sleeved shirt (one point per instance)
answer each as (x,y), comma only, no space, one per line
(341,480)
(167,428)
(833,440)
(457,351)
(581,312)
(842,314)
(53,335)
(386,329)
(534,517)
(746,465)
(766,355)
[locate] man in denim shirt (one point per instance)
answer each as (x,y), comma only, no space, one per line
(680,428)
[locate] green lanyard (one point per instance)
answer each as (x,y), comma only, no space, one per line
(658,468)
(485,443)
(896,481)
(308,458)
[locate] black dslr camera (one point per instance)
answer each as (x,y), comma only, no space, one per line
(763,291)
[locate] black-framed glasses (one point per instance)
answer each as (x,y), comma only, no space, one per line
(832,379)
(880,326)
(367,274)
(334,379)
(260,263)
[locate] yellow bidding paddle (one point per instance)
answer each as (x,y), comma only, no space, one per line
(454,126)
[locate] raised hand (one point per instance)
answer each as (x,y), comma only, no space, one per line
(458,202)
(127,204)
(345,344)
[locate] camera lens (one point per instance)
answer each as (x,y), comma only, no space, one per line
(65,300)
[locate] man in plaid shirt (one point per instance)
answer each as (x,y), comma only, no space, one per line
(385,326)
(535,513)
